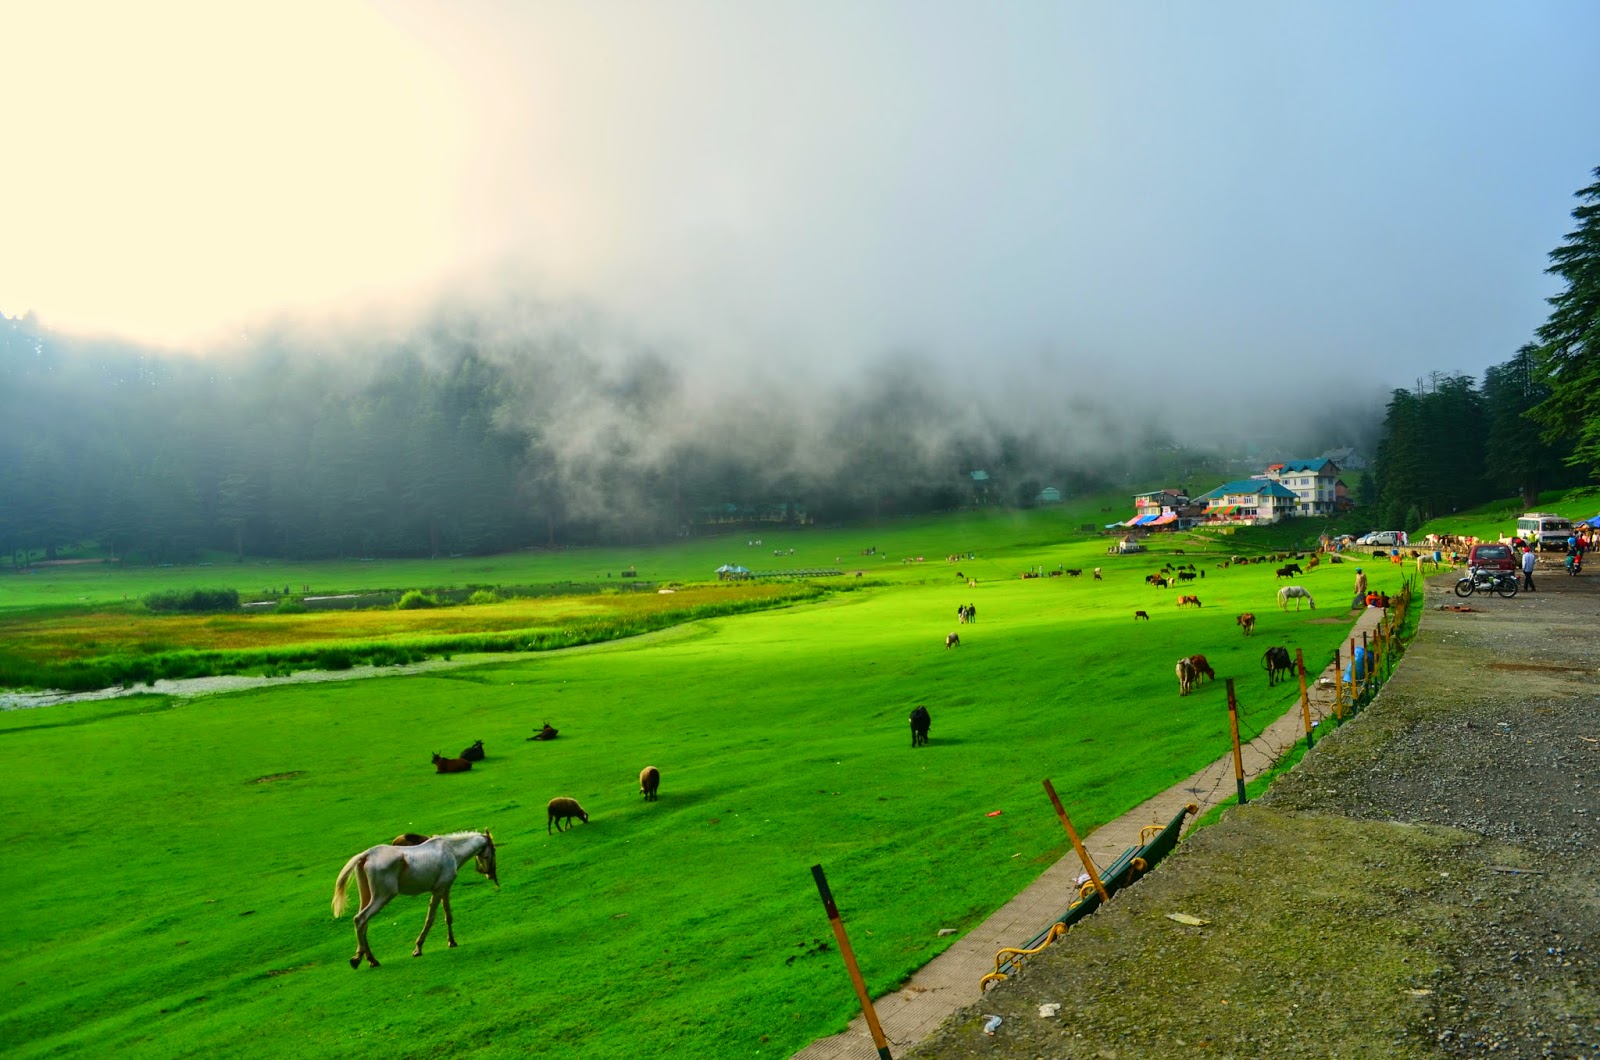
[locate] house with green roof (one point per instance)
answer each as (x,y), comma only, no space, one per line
(1248,502)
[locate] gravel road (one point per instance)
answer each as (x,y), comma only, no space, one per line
(1423,884)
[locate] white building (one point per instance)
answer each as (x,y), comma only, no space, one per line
(1315,484)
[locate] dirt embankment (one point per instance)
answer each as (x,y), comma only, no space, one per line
(1424,884)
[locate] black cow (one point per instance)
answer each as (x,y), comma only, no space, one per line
(1278,665)
(474,753)
(919,726)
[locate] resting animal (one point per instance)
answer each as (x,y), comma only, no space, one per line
(546,733)
(562,809)
(450,765)
(474,753)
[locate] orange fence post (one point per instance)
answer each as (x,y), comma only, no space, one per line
(1238,756)
(849,956)
(1077,844)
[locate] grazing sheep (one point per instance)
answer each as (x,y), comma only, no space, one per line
(649,783)
(409,839)
(474,753)
(562,809)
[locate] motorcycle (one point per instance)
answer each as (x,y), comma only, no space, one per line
(1574,563)
(1480,580)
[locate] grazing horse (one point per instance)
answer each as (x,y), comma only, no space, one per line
(952,640)
(1295,593)
(382,872)
(920,722)
(1186,676)
(450,765)
(1137,615)
(1247,622)
(474,753)
(1201,668)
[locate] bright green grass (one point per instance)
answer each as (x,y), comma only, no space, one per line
(163,903)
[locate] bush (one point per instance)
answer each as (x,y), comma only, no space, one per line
(335,659)
(289,606)
(193,600)
(484,596)
(416,598)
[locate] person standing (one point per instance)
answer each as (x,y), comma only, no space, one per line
(1361,588)
(1529,558)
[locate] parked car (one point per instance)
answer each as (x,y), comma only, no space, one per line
(1492,557)
(1384,537)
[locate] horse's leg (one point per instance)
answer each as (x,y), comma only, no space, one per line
(449,921)
(368,911)
(427,925)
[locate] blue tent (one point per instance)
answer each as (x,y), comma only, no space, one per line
(1595,522)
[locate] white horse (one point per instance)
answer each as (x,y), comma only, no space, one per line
(1295,593)
(385,871)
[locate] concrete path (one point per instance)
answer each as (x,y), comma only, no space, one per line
(950,980)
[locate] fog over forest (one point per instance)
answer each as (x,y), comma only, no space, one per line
(480,425)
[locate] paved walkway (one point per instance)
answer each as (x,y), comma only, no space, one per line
(950,980)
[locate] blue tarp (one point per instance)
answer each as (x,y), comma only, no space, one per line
(1595,522)
(1359,662)
(1144,519)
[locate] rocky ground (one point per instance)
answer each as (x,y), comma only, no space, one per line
(1423,884)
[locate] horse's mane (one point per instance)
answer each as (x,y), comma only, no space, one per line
(459,835)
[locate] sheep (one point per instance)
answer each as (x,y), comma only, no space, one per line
(561,809)
(649,782)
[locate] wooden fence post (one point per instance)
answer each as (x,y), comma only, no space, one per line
(1305,700)
(1077,844)
(849,956)
(1238,756)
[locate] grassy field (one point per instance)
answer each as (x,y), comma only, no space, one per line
(172,861)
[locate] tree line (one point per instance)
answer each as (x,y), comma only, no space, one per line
(450,439)
(1533,424)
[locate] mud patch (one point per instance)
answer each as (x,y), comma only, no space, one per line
(270,777)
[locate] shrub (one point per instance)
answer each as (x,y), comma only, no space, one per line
(415,598)
(290,606)
(193,600)
(334,659)
(484,596)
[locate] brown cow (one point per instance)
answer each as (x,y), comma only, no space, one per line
(450,765)
(1247,622)
(1201,668)
(649,783)
(1140,614)
(1182,600)
(952,640)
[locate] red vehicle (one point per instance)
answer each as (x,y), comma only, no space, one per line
(1492,557)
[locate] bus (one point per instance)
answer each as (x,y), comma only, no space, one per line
(1548,530)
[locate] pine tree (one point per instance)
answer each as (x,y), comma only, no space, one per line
(1569,355)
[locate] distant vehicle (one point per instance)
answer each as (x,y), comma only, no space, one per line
(1546,529)
(1494,557)
(1383,537)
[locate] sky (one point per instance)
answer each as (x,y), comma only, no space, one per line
(1026,195)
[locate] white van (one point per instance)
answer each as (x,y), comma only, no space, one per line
(1547,528)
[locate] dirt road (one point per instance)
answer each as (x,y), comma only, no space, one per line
(1422,885)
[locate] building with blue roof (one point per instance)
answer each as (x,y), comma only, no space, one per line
(1249,502)
(1315,484)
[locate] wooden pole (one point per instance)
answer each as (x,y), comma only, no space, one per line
(1238,755)
(1077,844)
(1305,700)
(849,956)
(1338,687)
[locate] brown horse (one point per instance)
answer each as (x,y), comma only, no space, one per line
(450,765)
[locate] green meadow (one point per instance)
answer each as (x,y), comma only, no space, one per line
(171,861)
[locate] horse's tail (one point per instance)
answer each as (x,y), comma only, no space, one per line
(340,885)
